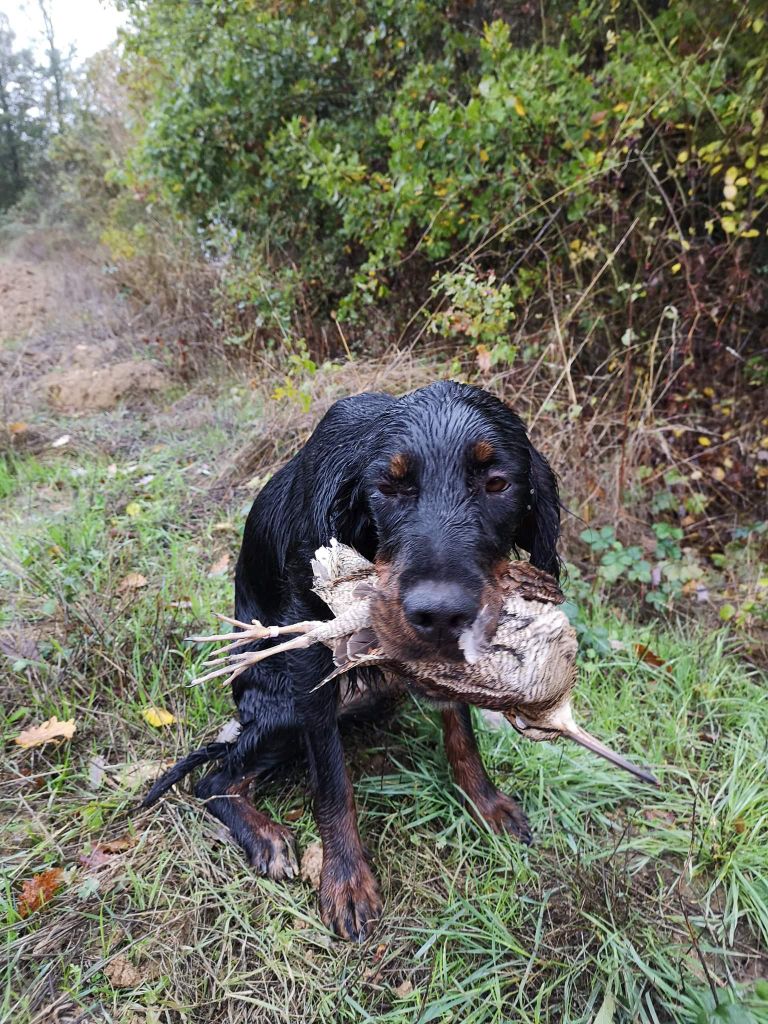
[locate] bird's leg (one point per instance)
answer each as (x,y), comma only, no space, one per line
(487,804)
(232,665)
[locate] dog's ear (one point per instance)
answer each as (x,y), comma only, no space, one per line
(540,529)
(350,519)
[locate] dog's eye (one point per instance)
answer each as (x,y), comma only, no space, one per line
(496,484)
(396,489)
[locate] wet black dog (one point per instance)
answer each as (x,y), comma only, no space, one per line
(438,487)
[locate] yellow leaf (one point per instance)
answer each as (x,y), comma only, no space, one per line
(758,25)
(419,143)
(682,156)
(731,175)
(53,729)
(19,427)
(157,717)
(484,156)
(704,442)
(519,108)
(133,509)
(718,473)
(675,268)
(620,108)
(728,224)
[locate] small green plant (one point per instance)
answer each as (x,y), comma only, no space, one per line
(299,377)
(474,306)
(664,575)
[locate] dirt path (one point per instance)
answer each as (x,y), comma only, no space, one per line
(68,341)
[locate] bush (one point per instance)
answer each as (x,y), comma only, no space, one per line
(369,156)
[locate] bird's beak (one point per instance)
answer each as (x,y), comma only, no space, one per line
(562,724)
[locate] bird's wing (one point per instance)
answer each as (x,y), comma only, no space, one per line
(532,584)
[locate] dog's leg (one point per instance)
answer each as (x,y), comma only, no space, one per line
(270,847)
(486,803)
(268,735)
(349,896)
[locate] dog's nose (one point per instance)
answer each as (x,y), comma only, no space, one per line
(440,611)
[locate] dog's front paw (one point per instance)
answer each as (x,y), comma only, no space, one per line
(503,814)
(271,850)
(349,899)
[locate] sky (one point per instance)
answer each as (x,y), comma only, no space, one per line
(88,25)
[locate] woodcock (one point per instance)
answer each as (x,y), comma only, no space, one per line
(519,656)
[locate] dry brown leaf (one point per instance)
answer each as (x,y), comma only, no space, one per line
(138,773)
(311,864)
(19,427)
(659,815)
(403,990)
(133,581)
(220,566)
(294,814)
(39,890)
(121,973)
(53,729)
(106,852)
(650,657)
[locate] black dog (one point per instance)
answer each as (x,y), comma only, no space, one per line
(438,487)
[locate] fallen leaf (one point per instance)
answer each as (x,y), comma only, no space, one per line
(311,864)
(131,776)
(133,581)
(133,509)
(220,566)
(96,767)
(39,890)
(53,729)
(706,736)
(740,826)
(650,657)
(95,859)
(18,428)
(157,717)
(656,814)
(106,852)
(121,973)
(403,990)
(294,814)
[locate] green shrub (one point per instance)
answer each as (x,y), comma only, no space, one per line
(383,154)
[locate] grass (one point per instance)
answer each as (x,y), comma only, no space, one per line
(649,905)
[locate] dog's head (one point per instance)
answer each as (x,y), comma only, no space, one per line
(447,487)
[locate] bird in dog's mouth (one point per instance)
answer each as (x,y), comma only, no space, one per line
(519,654)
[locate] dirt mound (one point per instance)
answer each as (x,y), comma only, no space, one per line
(91,389)
(29,297)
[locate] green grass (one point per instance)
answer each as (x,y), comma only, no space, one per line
(637,901)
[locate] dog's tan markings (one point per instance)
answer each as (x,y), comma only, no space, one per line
(486,803)
(398,466)
(482,451)
(270,847)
